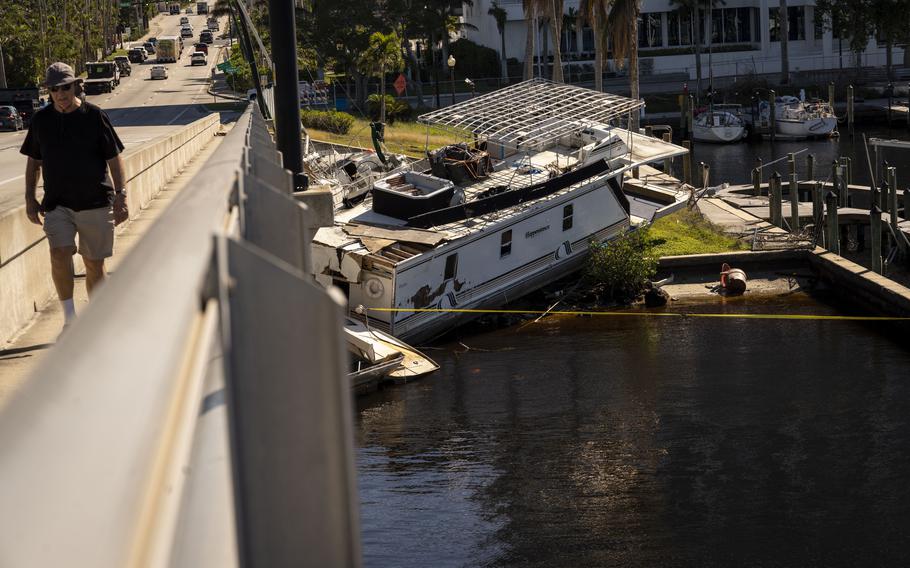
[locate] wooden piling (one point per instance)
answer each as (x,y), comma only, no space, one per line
(772,120)
(892,197)
(690,116)
(756,180)
(875,232)
(774,200)
(687,162)
(810,167)
(794,195)
(832,228)
(835,177)
(850,109)
(668,162)
(683,115)
(818,209)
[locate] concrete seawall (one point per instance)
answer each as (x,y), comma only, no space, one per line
(25,281)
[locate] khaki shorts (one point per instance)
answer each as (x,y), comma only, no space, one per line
(95,228)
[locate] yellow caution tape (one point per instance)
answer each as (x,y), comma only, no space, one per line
(649,314)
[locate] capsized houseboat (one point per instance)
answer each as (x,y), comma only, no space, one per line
(488,221)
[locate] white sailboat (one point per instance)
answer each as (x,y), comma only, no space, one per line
(795,118)
(721,123)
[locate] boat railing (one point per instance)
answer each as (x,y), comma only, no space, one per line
(195,414)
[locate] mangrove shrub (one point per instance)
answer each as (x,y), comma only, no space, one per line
(622,266)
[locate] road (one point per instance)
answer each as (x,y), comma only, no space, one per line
(141,109)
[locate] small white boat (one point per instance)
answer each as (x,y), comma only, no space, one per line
(719,125)
(377,357)
(799,119)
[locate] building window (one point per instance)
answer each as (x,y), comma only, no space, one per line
(587,39)
(679,28)
(451,266)
(505,244)
(567,217)
(649,33)
(731,25)
(568,43)
(796,23)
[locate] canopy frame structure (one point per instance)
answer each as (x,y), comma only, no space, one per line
(531,113)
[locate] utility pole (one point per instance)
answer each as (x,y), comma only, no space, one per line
(2,69)
(287,96)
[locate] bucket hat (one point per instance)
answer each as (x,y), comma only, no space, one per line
(59,74)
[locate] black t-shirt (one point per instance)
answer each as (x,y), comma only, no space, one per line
(73,148)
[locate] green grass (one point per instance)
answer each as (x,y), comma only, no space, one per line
(409,138)
(688,232)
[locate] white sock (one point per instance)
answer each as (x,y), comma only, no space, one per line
(69,310)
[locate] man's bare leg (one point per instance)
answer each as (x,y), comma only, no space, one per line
(94,273)
(62,273)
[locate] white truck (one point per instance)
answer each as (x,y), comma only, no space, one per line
(168,50)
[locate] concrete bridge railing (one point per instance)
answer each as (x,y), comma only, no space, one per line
(197,413)
(25,275)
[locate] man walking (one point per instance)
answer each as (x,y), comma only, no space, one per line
(73,143)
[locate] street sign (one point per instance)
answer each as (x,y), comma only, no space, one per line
(400,84)
(227,68)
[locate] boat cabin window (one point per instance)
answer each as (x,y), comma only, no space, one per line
(505,244)
(567,217)
(451,266)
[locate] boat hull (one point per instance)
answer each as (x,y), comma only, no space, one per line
(718,134)
(809,128)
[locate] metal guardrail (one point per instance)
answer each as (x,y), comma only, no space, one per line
(196,414)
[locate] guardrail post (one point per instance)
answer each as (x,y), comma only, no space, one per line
(289,411)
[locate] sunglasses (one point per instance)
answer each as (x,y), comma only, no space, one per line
(61,88)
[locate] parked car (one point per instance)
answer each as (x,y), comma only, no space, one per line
(149,48)
(158,72)
(198,58)
(206,37)
(184,20)
(203,47)
(10,118)
(123,63)
(136,55)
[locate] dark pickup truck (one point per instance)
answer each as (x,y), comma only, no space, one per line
(25,99)
(103,77)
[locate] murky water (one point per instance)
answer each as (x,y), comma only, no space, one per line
(643,441)
(733,162)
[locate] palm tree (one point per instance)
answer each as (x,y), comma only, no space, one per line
(530,10)
(623,26)
(499,14)
(383,54)
(784,32)
(556,13)
(594,13)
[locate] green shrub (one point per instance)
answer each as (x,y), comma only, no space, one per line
(330,121)
(622,266)
(394,108)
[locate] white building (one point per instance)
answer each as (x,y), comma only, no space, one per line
(744,38)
